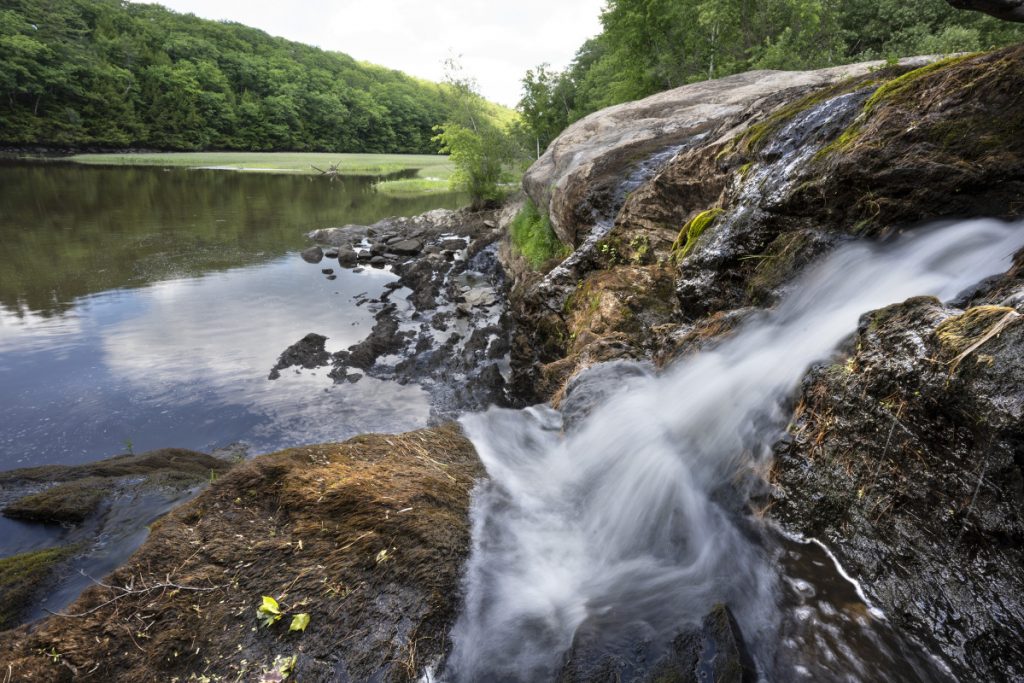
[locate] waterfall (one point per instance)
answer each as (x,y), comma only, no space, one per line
(627,524)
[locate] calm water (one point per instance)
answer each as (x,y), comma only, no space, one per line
(147,306)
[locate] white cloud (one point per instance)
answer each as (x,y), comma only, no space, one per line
(497,42)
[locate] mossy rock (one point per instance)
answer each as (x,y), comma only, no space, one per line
(69,503)
(20,579)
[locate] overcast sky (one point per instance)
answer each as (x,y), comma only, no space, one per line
(497,41)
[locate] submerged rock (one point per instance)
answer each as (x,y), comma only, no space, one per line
(365,537)
(714,651)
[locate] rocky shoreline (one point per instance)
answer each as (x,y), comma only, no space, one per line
(687,213)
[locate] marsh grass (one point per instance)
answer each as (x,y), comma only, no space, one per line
(426,165)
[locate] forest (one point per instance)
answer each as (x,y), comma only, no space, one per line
(113,74)
(647,46)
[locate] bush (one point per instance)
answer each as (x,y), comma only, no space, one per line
(533,237)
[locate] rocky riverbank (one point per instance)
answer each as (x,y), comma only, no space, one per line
(441,324)
(686,213)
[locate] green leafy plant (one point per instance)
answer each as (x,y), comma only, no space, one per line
(532,236)
(299,622)
(269,611)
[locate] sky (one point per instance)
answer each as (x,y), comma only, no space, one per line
(496,42)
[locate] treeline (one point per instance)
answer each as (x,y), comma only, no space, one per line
(647,46)
(107,73)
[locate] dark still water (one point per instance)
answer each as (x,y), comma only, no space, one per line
(147,306)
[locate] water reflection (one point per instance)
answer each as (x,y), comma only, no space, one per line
(69,230)
(148,306)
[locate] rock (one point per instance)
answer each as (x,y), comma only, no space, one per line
(327,271)
(313,255)
(309,352)
(96,502)
(332,277)
(578,174)
(367,537)
(378,261)
(715,651)
(479,296)
(453,245)
(377,249)
(1007,10)
(347,257)
(596,385)
(331,253)
(912,469)
(406,247)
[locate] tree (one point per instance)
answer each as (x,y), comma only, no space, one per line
(482,150)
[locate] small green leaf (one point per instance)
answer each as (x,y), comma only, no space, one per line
(299,622)
(269,611)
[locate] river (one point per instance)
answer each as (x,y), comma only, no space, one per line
(143,308)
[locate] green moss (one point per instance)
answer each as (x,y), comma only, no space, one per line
(533,237)
(757,135)
(780,261)
(68,503)
(899,85)
(20,578)
(692,231)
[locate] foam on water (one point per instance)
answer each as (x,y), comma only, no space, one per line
(627,525)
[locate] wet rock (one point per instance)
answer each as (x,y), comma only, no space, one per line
(714,651)
(577,176)
(907,459)
(332,277)
(309,352)
(378,261)
(347,257)
(98,503)
(377,249)
(327,271)
(594,386)
(331,253)
(313,255)
(366,537)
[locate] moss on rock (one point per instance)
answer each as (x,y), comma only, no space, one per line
(21,577)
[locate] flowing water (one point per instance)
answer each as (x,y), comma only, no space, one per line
(629,526)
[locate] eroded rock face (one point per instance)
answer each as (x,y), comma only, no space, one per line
(577,176)
(906,458)
(770,186)
(366,537)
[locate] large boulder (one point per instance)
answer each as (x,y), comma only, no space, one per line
(576,178)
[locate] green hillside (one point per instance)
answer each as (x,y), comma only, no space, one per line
(106,73)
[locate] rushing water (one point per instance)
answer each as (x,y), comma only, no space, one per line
(626,527)
(147,306)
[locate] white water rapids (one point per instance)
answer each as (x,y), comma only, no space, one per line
(618,528)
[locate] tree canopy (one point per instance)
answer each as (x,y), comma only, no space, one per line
(108,73)
(647,46)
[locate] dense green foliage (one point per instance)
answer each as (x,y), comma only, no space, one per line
(652,45)
(109,73)
(533,237)
(482,146)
